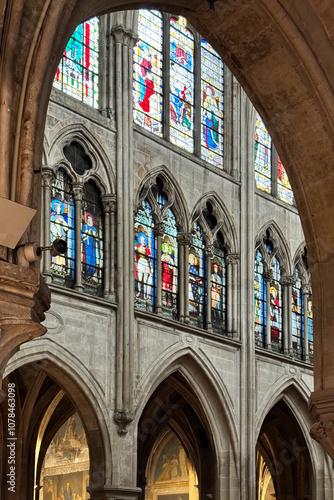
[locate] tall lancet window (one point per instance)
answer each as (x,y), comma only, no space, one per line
(212,86)
(62,226)
(181,84)
(259,300)
(92,239)
(147,72)
(298,332)
(169,266)
(276,306)
(197,288)
(78,71)
(218,286)
(145,258)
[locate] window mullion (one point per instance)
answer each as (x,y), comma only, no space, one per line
(78,193)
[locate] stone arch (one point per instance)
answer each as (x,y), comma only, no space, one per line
(291,401)
(176,199)
(180,400)
(102,171)
(299,262)
(280,247)
(56,372)
(225,222)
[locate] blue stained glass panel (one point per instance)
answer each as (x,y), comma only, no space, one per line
(262,156)
(145,259)
(259,300)
(181,84)
(197,278)
(62,226)
(147,72)
(77,73)
(276,306)
(310,325)
(169,267)
(218,290)
(212,85)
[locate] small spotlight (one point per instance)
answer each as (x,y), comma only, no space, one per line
(58,247)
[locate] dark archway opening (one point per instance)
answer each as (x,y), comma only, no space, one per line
(282,454)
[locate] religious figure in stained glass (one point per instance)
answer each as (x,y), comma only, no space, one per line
(167,267)
(259,299)
(262,156)
(284,189)
(143,267)
(218,289)
(195,282)
(211,109)
(310,324)
(146,83)
(274,313)
(90,248)
(59,229)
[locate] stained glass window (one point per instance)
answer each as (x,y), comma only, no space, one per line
(284,189)
(62,226)
(147,72)
(212,85)
(169,267)
(145,259)
(181,84)
(276,306)
(259,300)
(92,240)
(262,156)
(218,289)
(197,278)
(310,326)
(77,73)
(297,315)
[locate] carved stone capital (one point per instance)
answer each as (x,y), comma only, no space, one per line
(124,36)
(185,238)
(232,258)
(77,191)
(268,275)
(288,280)
(24,297)
(109,203)
(323,433)
(48,177)
(122,419)
(159,229)
(306,290)
(209,251)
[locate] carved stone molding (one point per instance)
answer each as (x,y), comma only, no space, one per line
(159,229)
(77,191)
(209,251)
(24,297)
(184,238)
(268,275)
(48,177)
(306,290)
(322,409)
(109,203)
(232,258)
(323,433)
(122,419)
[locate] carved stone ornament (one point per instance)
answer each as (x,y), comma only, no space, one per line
(323,433)
(184,238)
(306,290)
(122,419)
(209,251)
(77,191)
(288,280)
(232,258)
(268,275)
(109,203)
(159,229)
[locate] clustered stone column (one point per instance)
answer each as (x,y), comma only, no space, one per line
(78,193)
(287,282)
(47,179)
(109,208)
(232,260)
(306,291)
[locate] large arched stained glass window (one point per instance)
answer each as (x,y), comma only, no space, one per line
(147,72)
(77,73)
(145,259)
(276,307)
(169,266)
(212,85)
(218,288)
(62,226)
(181,84)
(92,239)
(197,278)
(259,300)
(284,189)
(297,315)
(262,156)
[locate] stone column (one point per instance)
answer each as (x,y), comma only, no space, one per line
(78,192)
(184,240)
(159,230)
(268,276)
(287,282)
(208,255)
(306,290)
(232,294)
(109,207)
(48,177)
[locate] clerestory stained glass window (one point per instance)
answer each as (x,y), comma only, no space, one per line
(197,278)
(77,74)
(259,300)
(284,189)
(181,84)
(262,156)
(147,72)
(276,306)
(145,259)
(212,85)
